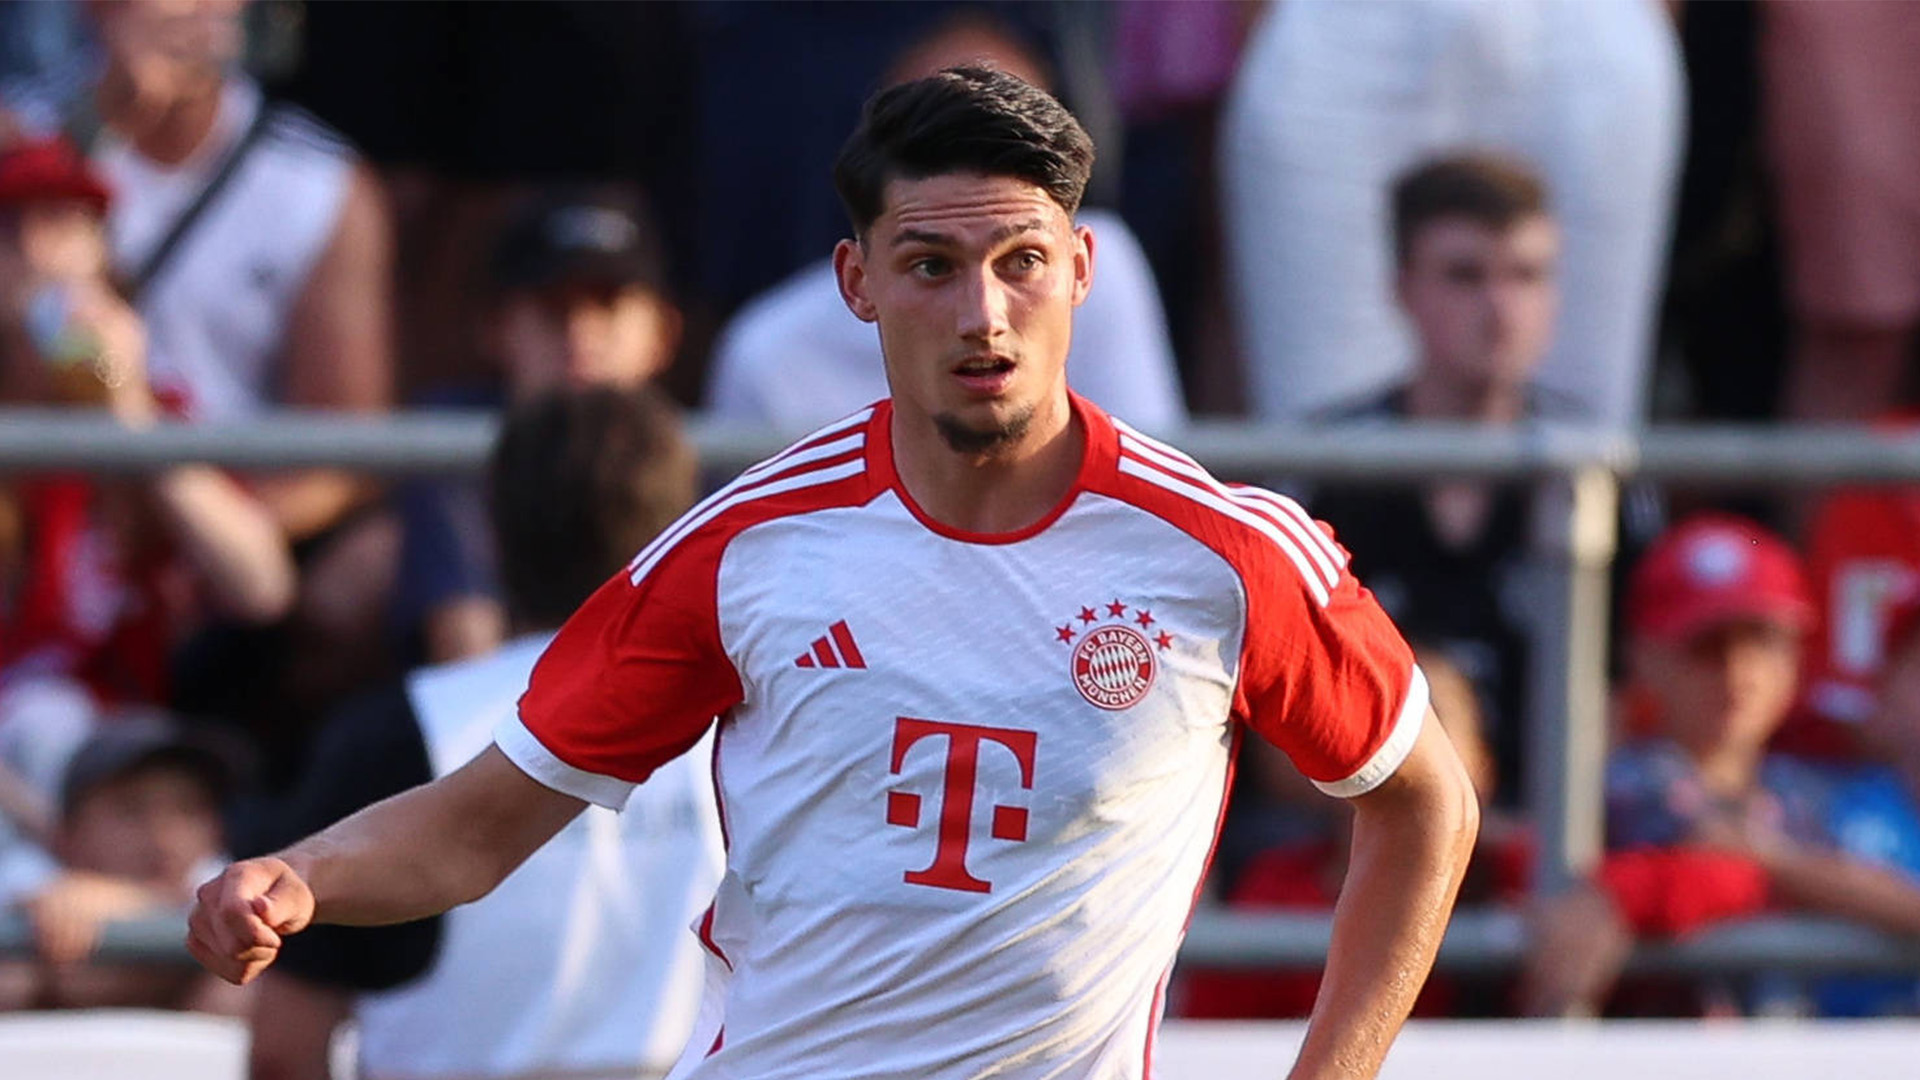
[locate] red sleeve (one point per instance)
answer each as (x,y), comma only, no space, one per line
(1666,891)
(1325,675)
(633,680)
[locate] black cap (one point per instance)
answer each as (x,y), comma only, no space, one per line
(133,739)
(563,240)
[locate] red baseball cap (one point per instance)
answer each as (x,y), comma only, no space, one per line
(49,169)
(1713,569)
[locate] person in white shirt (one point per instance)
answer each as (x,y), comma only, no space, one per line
(974,660)
(579,963)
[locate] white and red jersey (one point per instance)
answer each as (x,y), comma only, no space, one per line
(969,783)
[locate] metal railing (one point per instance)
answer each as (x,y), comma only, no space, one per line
(1575,471)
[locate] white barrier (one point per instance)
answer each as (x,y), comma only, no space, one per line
(133,1045)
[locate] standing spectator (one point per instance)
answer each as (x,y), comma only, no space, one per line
(138,826)
(1843,126)
(1336,97)
(1702,823)
(1121,358)
(106,576)
(580,962)
(579,299)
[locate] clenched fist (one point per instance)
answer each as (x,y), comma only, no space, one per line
(240,917)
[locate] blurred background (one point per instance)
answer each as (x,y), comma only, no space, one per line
(1689,690)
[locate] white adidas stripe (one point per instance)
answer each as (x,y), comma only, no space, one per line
(791,456)
(1324,568)
(1259,522)
(1298,513)
(1296,519)
(794,482)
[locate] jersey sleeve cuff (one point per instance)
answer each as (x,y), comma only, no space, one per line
(1406,728)
(525,749)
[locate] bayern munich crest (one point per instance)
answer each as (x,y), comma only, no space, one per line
(1113,663)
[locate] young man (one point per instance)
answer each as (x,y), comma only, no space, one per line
(511,986)
(980,658)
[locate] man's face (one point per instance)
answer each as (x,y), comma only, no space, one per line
(169,48)
(581,334)
(154,824)
(1482,300)
(1729,684)
(973,281)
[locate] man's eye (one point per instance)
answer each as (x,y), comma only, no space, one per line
(1028,260)
(929,267)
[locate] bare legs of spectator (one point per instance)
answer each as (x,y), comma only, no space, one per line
(1847,372)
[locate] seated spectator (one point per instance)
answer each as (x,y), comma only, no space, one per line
(580,300)
(795,358)
(580,963)
(106,576)
(1703,824)
(138,828)
(1305,877)
(1478,256)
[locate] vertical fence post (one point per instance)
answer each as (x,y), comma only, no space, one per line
(1575,534)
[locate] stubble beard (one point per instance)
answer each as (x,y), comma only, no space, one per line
(971,441)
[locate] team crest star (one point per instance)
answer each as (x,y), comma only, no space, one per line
(1116,609)
(1164,640)
(1145,618)
(1064,633)
(1087,615)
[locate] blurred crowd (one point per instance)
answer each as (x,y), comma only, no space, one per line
(594,215)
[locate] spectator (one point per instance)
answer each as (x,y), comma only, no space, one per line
(138,828)
(580,962)
(107,575)
(1336,97)
(579,299)
(1477,253)
(1702,823)
(1121,357)
(1843,127)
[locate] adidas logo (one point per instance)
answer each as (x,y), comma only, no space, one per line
(835,650)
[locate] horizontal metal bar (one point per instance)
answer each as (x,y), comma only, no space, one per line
(1480,940)
(438,441)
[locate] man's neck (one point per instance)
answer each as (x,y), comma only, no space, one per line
(1434,396)
(1727,771)
(164,131)
(993,493)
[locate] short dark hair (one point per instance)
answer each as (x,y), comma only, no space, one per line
(1489,189)
(579,481)
(963,119)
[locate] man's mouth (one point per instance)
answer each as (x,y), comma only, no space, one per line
(984,374)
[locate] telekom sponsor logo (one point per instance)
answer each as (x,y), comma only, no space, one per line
(949,867)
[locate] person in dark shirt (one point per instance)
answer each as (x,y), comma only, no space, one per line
(1477,250)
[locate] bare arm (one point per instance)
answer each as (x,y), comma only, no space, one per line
(1846,887)
(1412,837)
(339,353)
(416,854)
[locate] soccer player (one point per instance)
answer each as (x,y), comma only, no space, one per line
(980,657)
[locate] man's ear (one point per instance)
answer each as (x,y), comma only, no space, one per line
(850,269)
(1082,263)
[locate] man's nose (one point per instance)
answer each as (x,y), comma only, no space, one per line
(982,314)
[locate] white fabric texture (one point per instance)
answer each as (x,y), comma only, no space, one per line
(796,358)
(581,961)
(1336,98)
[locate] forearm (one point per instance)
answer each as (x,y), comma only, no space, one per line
(233,544)
(307,502)
(1404,873)
(1845,887)
(432,848)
